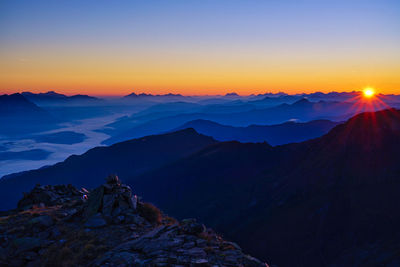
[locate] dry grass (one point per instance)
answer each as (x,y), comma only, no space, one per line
(150,212)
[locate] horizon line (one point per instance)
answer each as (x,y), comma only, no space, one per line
(185,95)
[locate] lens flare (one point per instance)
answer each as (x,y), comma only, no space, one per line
(369,92)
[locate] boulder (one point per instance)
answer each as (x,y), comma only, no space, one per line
(191,226)
(43,221)
(94,202)
(96,221)
(26,244)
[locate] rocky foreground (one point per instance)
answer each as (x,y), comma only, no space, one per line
(108,226)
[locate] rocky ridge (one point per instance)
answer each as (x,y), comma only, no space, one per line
(108,226)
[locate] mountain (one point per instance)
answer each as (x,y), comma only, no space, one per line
(288,132)
(52,98)
(108,226)
(18,115)
(17,104)
(165,110)
(331,200)
(130,158)
(156,98)
(274,100)
(302,110)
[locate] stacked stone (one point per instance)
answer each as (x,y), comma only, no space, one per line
(112,202)
(115,233)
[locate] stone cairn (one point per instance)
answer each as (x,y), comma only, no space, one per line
(111,202)
(107,227)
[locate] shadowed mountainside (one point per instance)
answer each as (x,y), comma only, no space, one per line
(128,158)
(330,200)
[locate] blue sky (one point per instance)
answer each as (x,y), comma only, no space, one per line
(265,35)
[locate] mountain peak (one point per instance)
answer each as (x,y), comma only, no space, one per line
(303,101)
(231,94)
(107,226)
(369,130)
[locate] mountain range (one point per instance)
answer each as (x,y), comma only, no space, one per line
(302,110)
(279,134)
(326,201)
(53,98)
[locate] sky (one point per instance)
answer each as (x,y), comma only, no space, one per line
(199,47)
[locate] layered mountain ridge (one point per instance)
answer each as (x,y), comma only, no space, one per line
(326,201)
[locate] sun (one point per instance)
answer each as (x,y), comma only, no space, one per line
(369,92)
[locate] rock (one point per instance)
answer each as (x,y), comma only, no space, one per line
(26,244)
(188,245)
(3,253)
(108,205)
(134,218)
(191,226)
(251,261)
(49,196)
(119,219)
(95,221)
(113,179)
(133,202)
(153,233)
(29,255)
(106,230)
(94,202)
(195,253)
(201,243)
(230,245)
(200,262)
(123,259)
(42,221)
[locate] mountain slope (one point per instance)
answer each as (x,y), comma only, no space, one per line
(20,116)
(288,132)
(330,200)
(130,158)
(63,226)
(325,200)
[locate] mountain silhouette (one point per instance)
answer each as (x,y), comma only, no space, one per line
(302,110)
(130,158)
(52,98)
(288,132)
(18,115)
(327,201)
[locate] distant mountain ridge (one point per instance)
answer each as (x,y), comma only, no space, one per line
(327,201)
(279,134)
(18,115)
(52,97)
(302,110)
